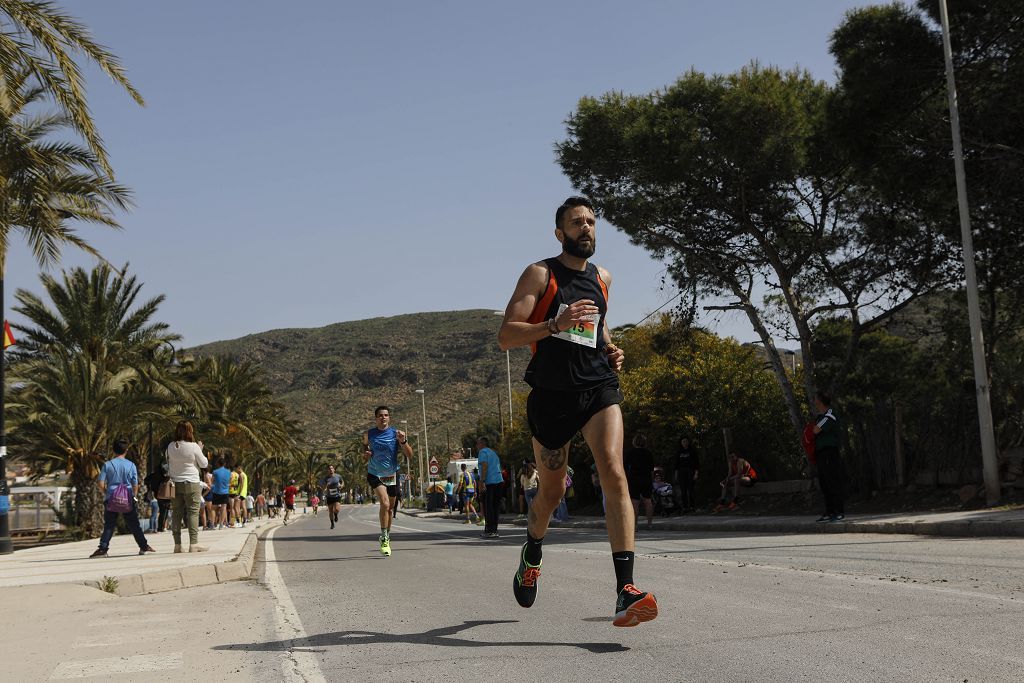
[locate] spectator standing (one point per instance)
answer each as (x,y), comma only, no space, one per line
(261,505)
(639,465)
(529,480)
(154,510)
(741,473)
(233,495)
(119,481)
(221,486)
(155,481)
(687,470)
(831,475)
(467,489)
(211,519)
(449,495)
(243,493)
(491,480)
(184,460)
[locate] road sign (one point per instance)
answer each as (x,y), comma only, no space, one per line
(435,467)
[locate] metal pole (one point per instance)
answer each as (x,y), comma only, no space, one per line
(988,441)
(426,441)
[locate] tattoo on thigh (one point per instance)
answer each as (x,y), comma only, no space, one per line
(553,459)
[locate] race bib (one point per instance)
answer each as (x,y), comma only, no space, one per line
(389,481)
(584,332)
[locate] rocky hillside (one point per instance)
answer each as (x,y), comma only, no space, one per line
(331,378)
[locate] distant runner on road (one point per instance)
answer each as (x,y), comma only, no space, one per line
(332,484)
(559,308)
(382,443)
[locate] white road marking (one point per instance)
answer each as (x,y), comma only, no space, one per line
(116,665)
(107,639)
(296,665)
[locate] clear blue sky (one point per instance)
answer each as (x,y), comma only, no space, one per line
(305,163)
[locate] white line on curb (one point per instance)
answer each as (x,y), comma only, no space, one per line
(296,665)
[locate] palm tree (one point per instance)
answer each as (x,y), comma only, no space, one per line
(40,42)
(67,409)
(45,184)
(118,358)
(241,414)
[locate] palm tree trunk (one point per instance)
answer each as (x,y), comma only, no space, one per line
(88,504)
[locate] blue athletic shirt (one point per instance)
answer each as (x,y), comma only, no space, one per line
(384,448)
(221,481)
(118,471)
(487,455)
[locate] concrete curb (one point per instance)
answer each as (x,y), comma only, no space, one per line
(963,528)
(188,577)
(957,528)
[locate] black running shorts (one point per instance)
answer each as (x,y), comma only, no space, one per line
(555,416)
(220,499)
(331,500)
(374,481)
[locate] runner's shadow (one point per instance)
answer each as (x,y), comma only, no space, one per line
(437,637)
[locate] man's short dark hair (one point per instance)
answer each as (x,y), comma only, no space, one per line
(463,466)
(484,440)
(120,446)
(376,411)
(825,399)
(571,203)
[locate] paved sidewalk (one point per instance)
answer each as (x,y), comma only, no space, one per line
(229,557)
(961,523)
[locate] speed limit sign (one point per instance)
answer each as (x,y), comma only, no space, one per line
(435,467)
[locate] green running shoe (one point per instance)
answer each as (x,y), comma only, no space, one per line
(524,583)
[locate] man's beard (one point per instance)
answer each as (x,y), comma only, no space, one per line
(574,248)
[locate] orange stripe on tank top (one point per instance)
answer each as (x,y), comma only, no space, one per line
(540,310)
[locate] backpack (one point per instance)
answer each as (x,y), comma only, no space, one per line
(121,499)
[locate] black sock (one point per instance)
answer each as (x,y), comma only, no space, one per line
(533,550)
(623,561)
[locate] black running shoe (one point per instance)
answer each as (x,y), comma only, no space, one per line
(634,606)
(524,583)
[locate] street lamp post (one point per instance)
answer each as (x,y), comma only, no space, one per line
(426,441)
(408,464)
(508,372)
(982,389)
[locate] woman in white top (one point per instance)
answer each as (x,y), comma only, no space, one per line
(184,460)
(529,480)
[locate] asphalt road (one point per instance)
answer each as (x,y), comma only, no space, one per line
(740,607)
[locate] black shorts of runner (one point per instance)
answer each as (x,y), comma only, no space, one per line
(331,500)
(374,481)
(220,499)
(555,416)
(640,489)
(289,506)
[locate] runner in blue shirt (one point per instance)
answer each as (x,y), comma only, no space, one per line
(381,445)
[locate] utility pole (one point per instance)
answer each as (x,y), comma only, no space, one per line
(981,383)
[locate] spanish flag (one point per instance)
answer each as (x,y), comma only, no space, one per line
(8,335)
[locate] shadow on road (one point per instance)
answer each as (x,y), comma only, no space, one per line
(437,637)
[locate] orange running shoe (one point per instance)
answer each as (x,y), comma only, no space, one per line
(634,606)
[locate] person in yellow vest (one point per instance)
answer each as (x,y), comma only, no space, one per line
(233,497)
(243,492)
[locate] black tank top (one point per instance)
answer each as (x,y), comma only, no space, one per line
(559,364)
